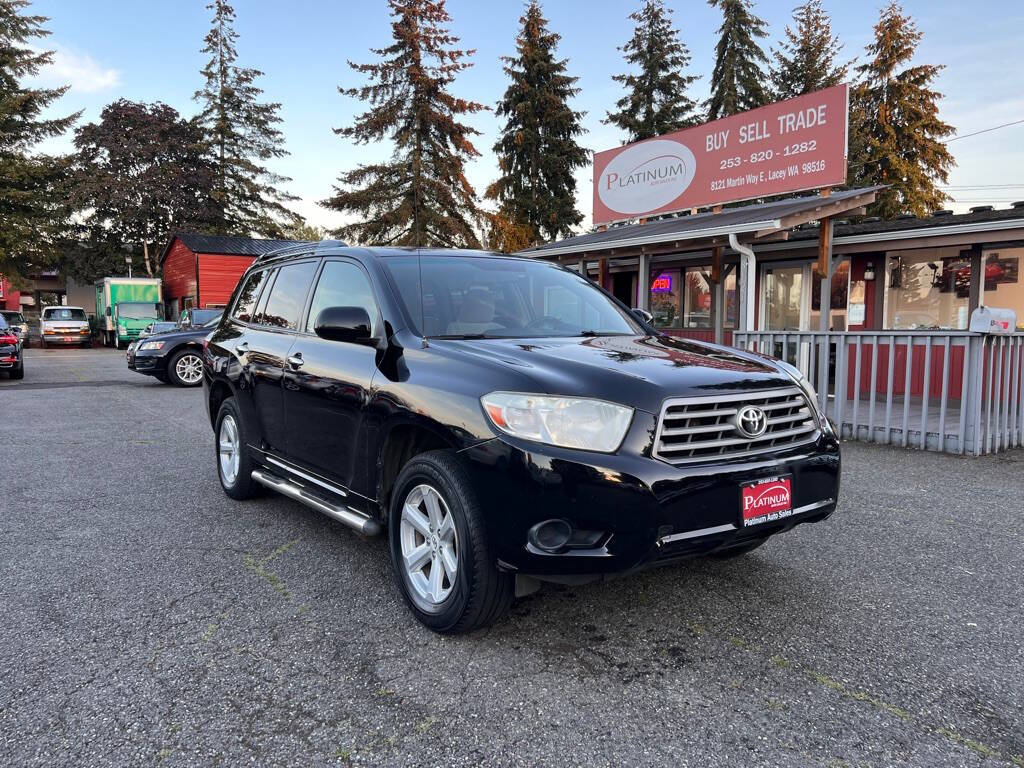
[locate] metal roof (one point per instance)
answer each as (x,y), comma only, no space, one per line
(226,244)
(759,218)
(942,223)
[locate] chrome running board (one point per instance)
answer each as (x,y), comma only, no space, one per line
(349,517)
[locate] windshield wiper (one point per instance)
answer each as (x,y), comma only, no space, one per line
(450,336)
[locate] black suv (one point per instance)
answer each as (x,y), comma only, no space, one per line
(505,421)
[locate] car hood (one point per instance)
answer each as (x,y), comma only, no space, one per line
(192,334)
(641,371)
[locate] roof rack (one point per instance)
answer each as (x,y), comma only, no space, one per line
(301,246)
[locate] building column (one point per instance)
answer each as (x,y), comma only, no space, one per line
(825,272)
(583,267)
(643,282)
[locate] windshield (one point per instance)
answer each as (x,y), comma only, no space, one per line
(64,313)
(13,317)
(138,311)
(3,323)
(487,297)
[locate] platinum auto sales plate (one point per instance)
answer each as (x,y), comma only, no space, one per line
(765,500)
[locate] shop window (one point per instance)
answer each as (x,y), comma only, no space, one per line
(731,300)
(929,288)
(681,298)
(1003,287)
(838,301)
(665,294)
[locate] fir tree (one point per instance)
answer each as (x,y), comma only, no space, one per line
(242,136)
(806,61)
(737,82)
(421,197)
(656,100)
(537,150)
(139,173)
(896,131)
(31,216)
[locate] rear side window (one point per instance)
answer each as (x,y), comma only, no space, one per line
(342,284)
(288,295)
(245,306)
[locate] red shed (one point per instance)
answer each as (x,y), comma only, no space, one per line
(202,270)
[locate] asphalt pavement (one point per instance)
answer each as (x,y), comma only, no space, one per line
(147,619)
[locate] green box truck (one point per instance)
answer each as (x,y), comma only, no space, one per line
(125,306)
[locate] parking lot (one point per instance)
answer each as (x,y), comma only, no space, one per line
(148,619)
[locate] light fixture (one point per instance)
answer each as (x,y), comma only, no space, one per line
(869,272)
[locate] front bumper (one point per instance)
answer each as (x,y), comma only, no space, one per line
(147,364)
(66,340)
(648,511)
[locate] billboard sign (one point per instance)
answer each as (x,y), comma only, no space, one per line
(784,147)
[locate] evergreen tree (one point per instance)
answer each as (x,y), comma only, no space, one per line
(31,216)
(806,61)
(242,136)
(737,82)
(421,197)
(895,125)
(537,150)
(656,100)
(139,173)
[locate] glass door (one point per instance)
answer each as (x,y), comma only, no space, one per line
(785,306)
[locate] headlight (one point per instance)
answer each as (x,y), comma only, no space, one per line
(569,422)
(122,329)
(152,345)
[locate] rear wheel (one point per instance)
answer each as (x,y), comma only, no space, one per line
(439,549)
(19,372)
(186,368)
(234,466)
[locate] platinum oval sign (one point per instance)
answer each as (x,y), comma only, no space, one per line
(647,176)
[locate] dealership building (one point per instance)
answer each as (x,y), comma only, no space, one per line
(906,328)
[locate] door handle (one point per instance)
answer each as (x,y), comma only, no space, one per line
(242,348)
(296,361)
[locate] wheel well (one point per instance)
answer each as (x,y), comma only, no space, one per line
(401,444)
(219,392)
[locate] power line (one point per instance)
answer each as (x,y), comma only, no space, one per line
(986,130)
(981,186)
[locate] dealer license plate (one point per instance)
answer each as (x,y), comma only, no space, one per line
(766,500)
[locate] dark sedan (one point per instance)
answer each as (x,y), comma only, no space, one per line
(175,357)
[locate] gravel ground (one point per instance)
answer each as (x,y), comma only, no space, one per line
(149,620)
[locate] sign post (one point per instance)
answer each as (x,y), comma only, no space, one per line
(789,146)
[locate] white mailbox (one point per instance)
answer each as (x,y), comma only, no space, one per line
(993,320)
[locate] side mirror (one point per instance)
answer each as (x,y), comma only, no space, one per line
(642,315)
(349,324)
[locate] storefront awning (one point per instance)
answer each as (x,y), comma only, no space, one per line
(759,221)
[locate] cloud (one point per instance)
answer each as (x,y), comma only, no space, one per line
(79,70)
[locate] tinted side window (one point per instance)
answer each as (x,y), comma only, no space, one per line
(342,284)
(288,295)
(245,307)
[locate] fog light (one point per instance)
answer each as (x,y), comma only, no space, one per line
(550,535)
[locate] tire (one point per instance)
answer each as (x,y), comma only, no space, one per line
(480,593)
(180,363)
(19,372)
(42,343)
(237,482)
(737,551)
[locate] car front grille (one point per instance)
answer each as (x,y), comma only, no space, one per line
(693,429)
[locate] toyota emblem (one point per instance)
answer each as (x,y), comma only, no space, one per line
(751,421)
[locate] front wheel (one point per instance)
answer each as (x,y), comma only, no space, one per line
(439,549)
(186,369)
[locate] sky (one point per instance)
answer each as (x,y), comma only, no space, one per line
(148,50)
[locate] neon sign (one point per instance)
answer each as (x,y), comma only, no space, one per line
(662,284)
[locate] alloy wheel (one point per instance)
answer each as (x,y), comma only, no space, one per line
(430,547)
(189,369)
(229,449)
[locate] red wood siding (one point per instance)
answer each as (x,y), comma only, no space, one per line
(218,276)
(699,334)
(179,273)
(955,371)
